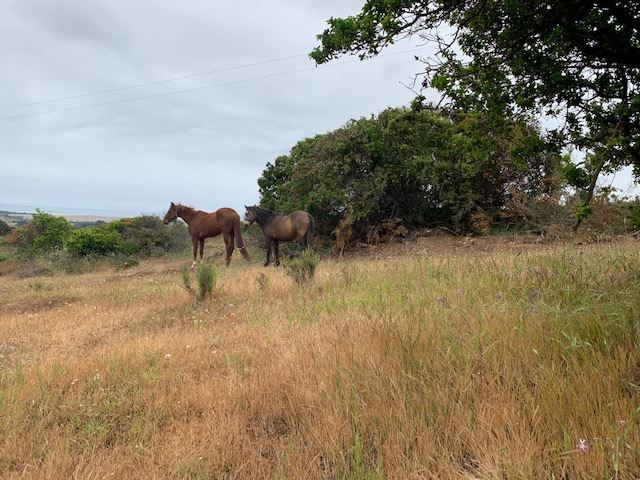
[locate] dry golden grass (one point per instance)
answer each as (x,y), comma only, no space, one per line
(455,364)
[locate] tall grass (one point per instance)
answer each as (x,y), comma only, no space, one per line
(206,277)
(302,267)
(497,365)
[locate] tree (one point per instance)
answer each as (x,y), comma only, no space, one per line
(579,59)
(409,167)
(50,231)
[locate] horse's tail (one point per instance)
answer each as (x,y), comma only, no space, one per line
(309,235)
(239,241)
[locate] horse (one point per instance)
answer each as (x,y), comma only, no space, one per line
(296,226)
(205,225)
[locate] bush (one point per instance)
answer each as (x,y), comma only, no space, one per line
(409,168)
(206,278)
(21,237)
(51,232)
(303,267)
(633,215)
(94,241)
(148,236)
(4,228)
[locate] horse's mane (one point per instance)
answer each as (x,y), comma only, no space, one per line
(264,213)
(189,208)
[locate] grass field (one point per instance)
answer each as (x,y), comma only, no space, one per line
(474,363)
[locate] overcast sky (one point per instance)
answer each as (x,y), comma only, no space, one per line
(205,147)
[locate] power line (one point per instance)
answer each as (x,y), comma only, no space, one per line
(156,82)
(204,87)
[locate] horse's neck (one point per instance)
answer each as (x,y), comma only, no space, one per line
(187,214)
(265,218)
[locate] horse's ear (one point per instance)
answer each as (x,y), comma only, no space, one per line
(173,204)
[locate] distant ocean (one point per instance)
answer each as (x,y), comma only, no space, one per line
(99,212)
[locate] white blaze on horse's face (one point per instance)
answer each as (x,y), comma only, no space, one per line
(249,215)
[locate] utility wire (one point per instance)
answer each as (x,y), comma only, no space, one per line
(156,82)
(204,87)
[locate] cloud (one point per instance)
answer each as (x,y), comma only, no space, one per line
(77,21)
(205,147)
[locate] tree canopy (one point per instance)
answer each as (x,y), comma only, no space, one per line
(415,166)
(575,59)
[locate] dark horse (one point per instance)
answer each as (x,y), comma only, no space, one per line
(204,225)
(297,226)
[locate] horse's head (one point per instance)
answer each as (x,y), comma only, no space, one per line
(251,214)
(171,215)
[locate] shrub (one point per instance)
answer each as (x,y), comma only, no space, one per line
(94,241)
(634,214)
(51,232)
(206,275)
(22,238)
(409,168)
(147,235)
(4,228)
(206,278)
(303,267)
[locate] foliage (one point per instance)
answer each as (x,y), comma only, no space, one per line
(94,241)
(302,268)
(408,167)
(146,235)
(575,58)
(4,228)
(45,233)
(21,237)
(50,231)
(576,176)
(142,236)
(206,275)
(206,279)
(634,214)
(186,279)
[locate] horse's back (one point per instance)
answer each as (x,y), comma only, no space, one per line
(226,213)
(210,224)
(301,221)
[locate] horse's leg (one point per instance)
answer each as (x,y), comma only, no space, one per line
(266,263)
(201,248)
(277,252)
(232,239)
(228,243)
(194,240)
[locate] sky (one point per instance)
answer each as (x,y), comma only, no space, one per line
(249,95)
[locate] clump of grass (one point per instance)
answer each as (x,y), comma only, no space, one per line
(303,267)
(262,281)
(206,279)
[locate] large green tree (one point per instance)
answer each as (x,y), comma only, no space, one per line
(574,59)
(418,165)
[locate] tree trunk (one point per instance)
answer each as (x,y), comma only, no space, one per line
(590,190)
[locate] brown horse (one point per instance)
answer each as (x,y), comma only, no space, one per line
(204,225)
(296,226)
